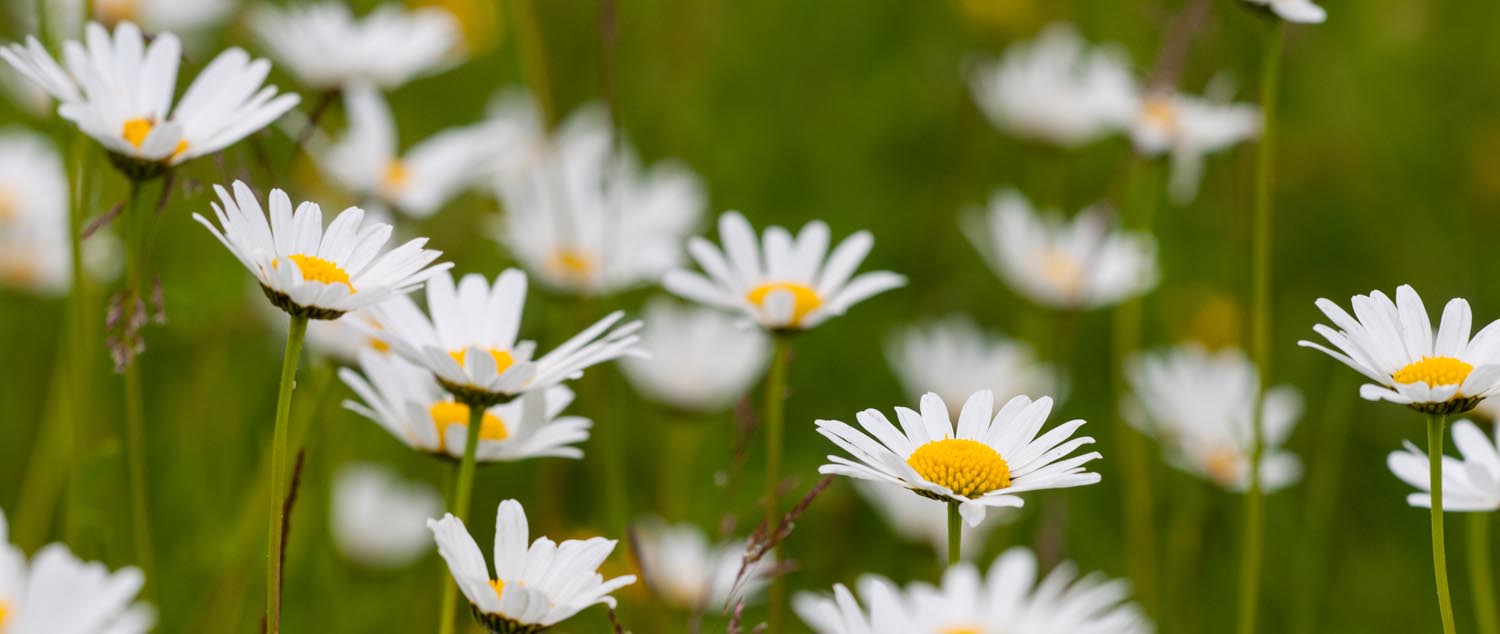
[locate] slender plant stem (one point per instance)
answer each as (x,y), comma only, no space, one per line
(136,219)
(533,58)
(81,313)
(775,421)
(1439,555)
(294,336)
(463,490)
(1481,580)
(1260,330)
(955,533)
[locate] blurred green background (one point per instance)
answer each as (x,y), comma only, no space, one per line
(855,112)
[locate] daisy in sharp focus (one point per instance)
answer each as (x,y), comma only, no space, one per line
(701,359)
(1063,264)
(379,520)
(407,401)
(57,593)
(924,520)
(983,463)
(1299,11)
(1392,344)
(328,48)
(954,358)
(1471,483)
(533,587)
(118,90)
(1188,128)
(690,573)
(1198,405)
(784,284)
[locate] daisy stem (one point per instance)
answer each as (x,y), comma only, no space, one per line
(136,220)
(955,533)
(1480,580)
(295,333)
(1439,556)
(459,506)
(775,399)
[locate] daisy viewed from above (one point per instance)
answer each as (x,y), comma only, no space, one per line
(702,360)
(1471,483)
(690,573)
(311,272)
(983,463)
(955,358)
(328,48)
(534,587)
(118,90)
(1188,128)
(379,520)
(1058,263)
(57,593)
(1392,344)
(785,283)
(1301,11)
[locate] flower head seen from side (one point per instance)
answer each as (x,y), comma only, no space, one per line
(1197,404)
(785,283)
(1471,483)
(1009,597)
(379,520)
(692,574)
(924,520)
(1392,344)
(1188,128)
(1298,11)
(955,358)
(118,90)
(1057,89)
(328,48)
(156,16)
(985,462)
(407,401)
(312,272)
(701,359)
(533,587)
(1064,264)
(33,215)
(57,593)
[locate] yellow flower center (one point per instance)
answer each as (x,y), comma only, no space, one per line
(316,269)
(576,264)
(1434,371)
(1062,270)
(1161,112)
(960,629)
(804,298)
(503,359)
(112,11)
(18,266)
(448,413)
(379,345)
(8,205)
(499,586)
(136,131)
(4,614)
(1222,465)
(396,175)
(967,467)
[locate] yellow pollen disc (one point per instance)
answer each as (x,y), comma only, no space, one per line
(502,358)
(1434,371)
(136,131)
(499,586)
(378,345)
(962,629)
(1222,465)
(804,298)
(7,205)
(316,269)
(447,413)
(1161,112)
(4,614)
(112,11)
(574,263)
(396,175)
(967,467)
(19,268)
(1062,270)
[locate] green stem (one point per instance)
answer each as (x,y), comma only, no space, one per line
(136,219)
(81,313)
(775,421)
(533,58)
(955,533)
(294,336)
(463,490)
(1439,556)
(1480,578)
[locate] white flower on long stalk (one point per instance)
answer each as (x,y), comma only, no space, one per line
(924,520)
(1058,263)
(1392,344)
(407,401)
(983,463)
(308,271)
(1299,11)
(1188,128)
(1198,406)
(1471,483)
(328,48)
(156,16)
(1057,89)
(118,90)
(701,359)
(56,593)
(784,283)
(954,358)
(1007,598)
(690,573)
(533,588)
(379,519)
(469,341)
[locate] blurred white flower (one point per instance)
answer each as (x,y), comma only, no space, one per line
(1470,483)
(1189,128)
(379,519)
(1302,11)
(342,339)
(34,250)
(688,572)
(954,358)
(701,359)
(156,16)
(919,519)
(328,48)
(57,593)
(1062,264)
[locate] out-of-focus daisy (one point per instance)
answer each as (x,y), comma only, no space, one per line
(60,594)
(1057,89)
(328,48)
(469,342)
(982,464)
(34,251)
(342,339)
(1470,483)
(156,16)
(533,588)
(586,218)
(379,519)
(430,173)
(919,519)
(1189,128)
(405,400)
(786,285)
(701,359)
(1058,263)
(1302,11)
(954,358)
(118,90)
(311,272)
(688,572)
(1198,405)
(515,117)
(1392,344)
(1008,598)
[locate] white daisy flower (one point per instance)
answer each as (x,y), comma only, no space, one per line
(469,342)
(1057,89)
(919,519)
(983,464)
(365,160)
(342,339)
(328,48)
(408,402)
(1470,483)
(786,285)
(378,518)
(1008,598)
(60,594)
(1300,11)
(954,358)
(1067,265)
(515,117)
(34,250)
(1198,405)
(701,359)
(689,573)
(311,272)
(157,16)
(119,91)
(533,588)
(1189,128)
(1392,344)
